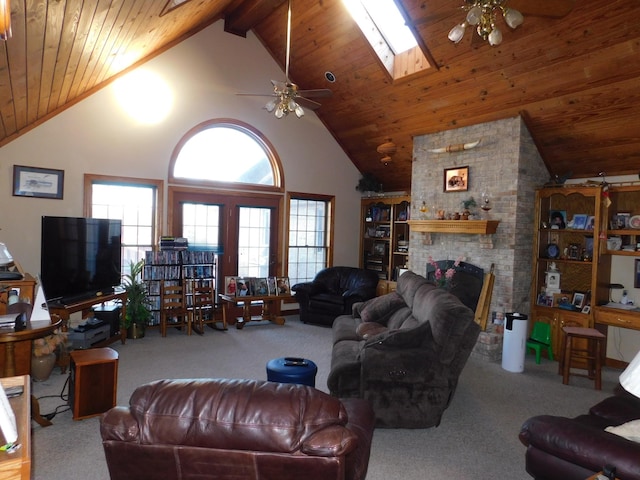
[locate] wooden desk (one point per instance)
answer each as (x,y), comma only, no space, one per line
(605,317)
(17,465)
(271,305)
(84,306)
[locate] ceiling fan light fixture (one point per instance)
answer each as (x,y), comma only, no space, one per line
(5,20)
(482,14)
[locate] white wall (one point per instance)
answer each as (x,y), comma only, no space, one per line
(205,72)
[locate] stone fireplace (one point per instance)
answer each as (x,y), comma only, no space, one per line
(508,165)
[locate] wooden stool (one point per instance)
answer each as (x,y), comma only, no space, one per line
(592,355)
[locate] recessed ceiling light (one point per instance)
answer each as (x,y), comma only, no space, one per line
(330,77)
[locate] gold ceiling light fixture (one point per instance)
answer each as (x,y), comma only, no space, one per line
(387,149)
(5,20)
(483,14)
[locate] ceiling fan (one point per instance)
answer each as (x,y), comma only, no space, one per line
(287,97)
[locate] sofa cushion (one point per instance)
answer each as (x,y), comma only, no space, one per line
(408,284)
(617,409)
(402,338)
(379,309)
(447,316)
(232,414)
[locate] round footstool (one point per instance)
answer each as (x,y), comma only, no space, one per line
(292,370)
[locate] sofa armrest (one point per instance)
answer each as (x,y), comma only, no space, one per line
(581,443)
(308,288)
(118,424)
(333,441)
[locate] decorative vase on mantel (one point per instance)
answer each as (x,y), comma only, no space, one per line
(42,366)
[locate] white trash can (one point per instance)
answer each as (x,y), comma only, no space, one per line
(514,342)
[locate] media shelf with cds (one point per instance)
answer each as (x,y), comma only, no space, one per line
(189,268)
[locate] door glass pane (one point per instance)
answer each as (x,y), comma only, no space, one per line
(254,232)
(201,225)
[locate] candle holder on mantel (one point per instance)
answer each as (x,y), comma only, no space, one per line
(486,203)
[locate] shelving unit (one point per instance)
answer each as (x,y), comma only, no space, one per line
(384,234)
(189,268)
(576,255)
(624,199)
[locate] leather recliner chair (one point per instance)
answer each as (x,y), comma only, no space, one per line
(231,429)
(333,292)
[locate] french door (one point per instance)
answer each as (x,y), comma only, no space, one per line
(243,229)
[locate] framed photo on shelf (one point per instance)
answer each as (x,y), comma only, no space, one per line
(379,248)
(271,281)
(259,286)
(586,309)
(591,223)
(282,286)
(560,299)
(37,182)
(242,287)
(579,221)
(230,286)
(621,220)
(456,179)
(579,300)
(558,219)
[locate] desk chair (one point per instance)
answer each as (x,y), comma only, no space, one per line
(540,339)
(173,308)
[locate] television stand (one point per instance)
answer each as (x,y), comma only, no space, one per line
(84,306)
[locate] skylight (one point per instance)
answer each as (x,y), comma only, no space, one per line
(387,19)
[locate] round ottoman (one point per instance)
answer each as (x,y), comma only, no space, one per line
(292,370)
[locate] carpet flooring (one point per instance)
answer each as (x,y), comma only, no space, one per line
(478,436)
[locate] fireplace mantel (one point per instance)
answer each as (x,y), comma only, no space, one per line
(485,227)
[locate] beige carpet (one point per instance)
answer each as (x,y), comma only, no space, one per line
(478,437)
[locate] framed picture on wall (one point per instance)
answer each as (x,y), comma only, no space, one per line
(37,182)
(456,179)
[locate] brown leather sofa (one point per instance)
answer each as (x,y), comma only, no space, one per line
(232,429)
(560,448)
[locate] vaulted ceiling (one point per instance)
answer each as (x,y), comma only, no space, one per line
(574,80)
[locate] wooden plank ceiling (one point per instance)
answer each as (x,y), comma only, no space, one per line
(575,79)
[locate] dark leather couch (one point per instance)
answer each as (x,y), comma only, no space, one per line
(403,352)
(333,292)
(236,429)
(560,448)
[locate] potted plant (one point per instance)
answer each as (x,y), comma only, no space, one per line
(369,183)
(467,205)
(137,312)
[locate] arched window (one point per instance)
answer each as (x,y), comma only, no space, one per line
(228,152)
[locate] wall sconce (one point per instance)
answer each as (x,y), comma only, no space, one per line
(5,20)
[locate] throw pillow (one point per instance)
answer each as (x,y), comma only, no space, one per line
(367,330)
(379,309)
(629,430)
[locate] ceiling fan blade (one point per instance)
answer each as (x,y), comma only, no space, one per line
(542,8)
(316,93)
(306,103)
(257,94)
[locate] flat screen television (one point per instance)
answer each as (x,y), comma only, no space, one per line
(80,257)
